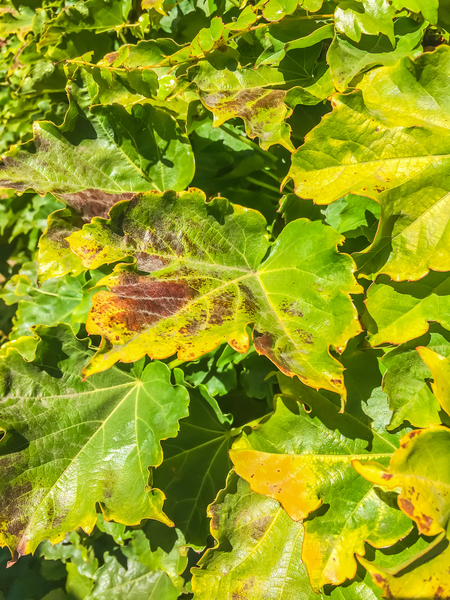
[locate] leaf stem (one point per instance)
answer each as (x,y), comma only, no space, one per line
(245,140)
(175,363)
(263,184)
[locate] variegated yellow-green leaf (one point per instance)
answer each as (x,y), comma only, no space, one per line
(440,370)
(250,94)
(258,554)
(421,468)
(401,113)
(208,277)
(69,444)
(425,576)
(55,258)
(312,465)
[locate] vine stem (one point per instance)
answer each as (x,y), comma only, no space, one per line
(272,188)
(252,145)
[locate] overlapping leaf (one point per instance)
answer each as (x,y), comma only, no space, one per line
(426,578)
(440,370)
(208,278)
(347,58)
(355,17)
(399,312)
(101,156)
(195,465)
(425,482)
(406,381)
(65,300)
(69,444)
(313,465)
(55,258)
(401,113)
(265,556)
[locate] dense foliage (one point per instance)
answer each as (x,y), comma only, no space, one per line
(225,308)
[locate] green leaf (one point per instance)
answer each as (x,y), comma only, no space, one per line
(195,465)
(101,156)
(258,550)
(347,59)
(18,21)
(148,573)
(70,444)
(425,483)
(351,214)
(207,280)
(403,159)
(354,17)
(406,381)
(313,465)
(428,8)
(399,312)
(64,300)
(90,15)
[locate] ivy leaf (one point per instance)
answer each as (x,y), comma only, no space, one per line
(61,457)
(195,464)
(397,164)
(313,465)
(406,381)
(259,549)
(101,156)
(354,17)
(208,279)
(425,483)
(399,312)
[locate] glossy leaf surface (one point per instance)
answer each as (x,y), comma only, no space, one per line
(101,156)
(425,483)
(402,162)
(314,466)
(70,444)
(207,280)
(266,555)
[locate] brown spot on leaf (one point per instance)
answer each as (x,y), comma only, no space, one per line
(259,527)
(292,310)
(248,104)
(221,308)
(215,517)
(264,344)
(407,506)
